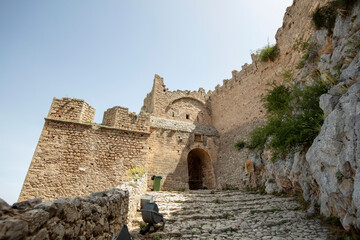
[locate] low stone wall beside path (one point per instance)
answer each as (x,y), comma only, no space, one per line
(100,215)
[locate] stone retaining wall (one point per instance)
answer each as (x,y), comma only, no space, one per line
(136,188)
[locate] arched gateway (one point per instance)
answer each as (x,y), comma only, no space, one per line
(201,174)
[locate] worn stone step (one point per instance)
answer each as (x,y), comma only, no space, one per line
(232,215)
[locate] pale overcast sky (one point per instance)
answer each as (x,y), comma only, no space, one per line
(107,52)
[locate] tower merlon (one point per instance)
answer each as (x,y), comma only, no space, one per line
(121,117)
(71,109)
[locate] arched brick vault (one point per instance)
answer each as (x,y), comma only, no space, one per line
(200,169)
(188,109)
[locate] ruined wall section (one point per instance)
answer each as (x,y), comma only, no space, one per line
(148,105)
(188,106)
(120,117)
(236,107)
(75,159)
(71,109)
(169,146)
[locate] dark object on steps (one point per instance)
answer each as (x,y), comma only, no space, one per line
(124,234)
(150,214)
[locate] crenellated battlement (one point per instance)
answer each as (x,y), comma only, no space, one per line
(71,109)
(121,117)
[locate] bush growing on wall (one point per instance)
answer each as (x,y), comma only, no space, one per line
(268,53)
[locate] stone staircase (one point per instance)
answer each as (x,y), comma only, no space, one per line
(212,214)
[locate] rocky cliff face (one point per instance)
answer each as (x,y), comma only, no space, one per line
(328,174)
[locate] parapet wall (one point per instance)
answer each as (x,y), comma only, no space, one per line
(120,117)
(71,109)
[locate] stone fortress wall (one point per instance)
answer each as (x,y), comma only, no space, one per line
(74,158)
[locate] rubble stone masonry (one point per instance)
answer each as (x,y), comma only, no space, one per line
(75,159)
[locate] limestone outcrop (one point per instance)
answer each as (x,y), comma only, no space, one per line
(334,160)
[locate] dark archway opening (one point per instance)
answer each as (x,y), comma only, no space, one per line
(200,170)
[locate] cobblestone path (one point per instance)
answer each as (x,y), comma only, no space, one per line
(207,214)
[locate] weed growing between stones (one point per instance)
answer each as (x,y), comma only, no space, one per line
(268,53)
(137,172)
(339,175)
(304,205)
(337,232)
(310,53)
(142,224)
(240,145)
(156,237)
(266,211)
(258,190)
(287,75)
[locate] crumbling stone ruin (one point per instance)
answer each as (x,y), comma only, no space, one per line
(188,137)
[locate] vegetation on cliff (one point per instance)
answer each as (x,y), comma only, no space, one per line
(268,53)
(294,117)
(325,16)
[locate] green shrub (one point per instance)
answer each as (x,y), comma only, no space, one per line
(334,221)
(259,136)
(277,100)
(325,16)
(339,175)
(268,53)
(294,117)
(256,190)
(157,237)
(287,75)
(240,145)
(304,205)
(310,51)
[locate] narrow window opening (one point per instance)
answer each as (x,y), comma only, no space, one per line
(187,116)
(198,138)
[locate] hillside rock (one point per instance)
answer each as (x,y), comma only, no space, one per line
(334,160)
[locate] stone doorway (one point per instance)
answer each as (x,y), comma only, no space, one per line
(201,174)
